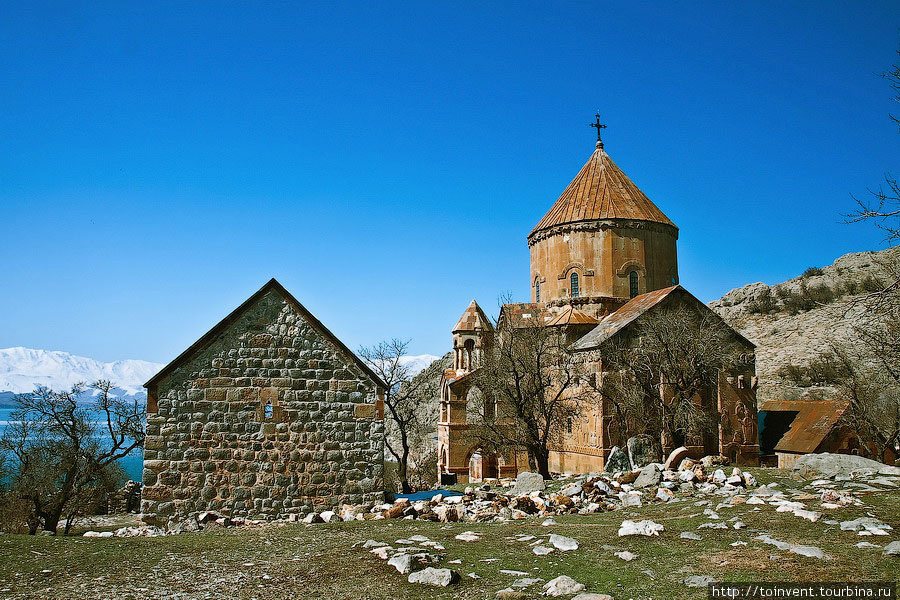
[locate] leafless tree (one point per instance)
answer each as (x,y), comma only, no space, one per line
(530,388)
(405,399)
(657,373)
(873,363)
(64,452)
(882,207)
(872,387)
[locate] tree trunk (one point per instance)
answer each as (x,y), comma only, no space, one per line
(542,458)
(402,473)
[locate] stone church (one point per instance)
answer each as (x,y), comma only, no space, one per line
(602,257)
(267,414)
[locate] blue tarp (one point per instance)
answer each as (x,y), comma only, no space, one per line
(427,495)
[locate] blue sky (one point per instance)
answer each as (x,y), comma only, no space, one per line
(385,161)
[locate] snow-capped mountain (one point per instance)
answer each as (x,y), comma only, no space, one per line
(418,363)
(21,369)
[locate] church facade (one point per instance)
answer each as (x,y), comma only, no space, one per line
(602,258)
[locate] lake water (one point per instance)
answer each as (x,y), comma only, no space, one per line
(132,464)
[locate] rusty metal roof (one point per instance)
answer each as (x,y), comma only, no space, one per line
(601,191)
(814,421)
(473,319)
(525,314)
(614,322)
(571,316)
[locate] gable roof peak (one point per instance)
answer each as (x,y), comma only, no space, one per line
(272,284)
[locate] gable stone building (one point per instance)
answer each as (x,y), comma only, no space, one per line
(268,414)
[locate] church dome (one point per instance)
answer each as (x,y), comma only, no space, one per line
(601,190)
(602,241)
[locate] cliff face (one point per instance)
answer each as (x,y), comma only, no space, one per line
(794,323)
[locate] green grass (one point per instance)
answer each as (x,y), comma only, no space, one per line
(319,561)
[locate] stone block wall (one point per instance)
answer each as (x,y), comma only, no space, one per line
(268,418)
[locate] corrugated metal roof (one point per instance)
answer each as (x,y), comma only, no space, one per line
(618,320)
(601,191)
(473,319)
(572,316)
(525,314)
(814,421)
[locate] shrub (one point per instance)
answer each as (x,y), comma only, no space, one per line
(812,272)
(763,304)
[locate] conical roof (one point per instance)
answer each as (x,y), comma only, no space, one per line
(473,319)
(601,191)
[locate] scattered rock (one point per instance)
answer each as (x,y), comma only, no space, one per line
(646,527)
(892,549)
(561,542)
(698,581)
(626,555)
(689,535)
(542,550)
(649,475)
(562,586)
(527,483)
(435,577)
(832,465)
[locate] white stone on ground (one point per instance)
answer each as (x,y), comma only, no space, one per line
(469,536)
(561,542)
(892,549)
(401,562)
(542,550)
(626,555)
(435,577)
(645,527)
(689,535)
(698,581)
(562,586)
(593,597)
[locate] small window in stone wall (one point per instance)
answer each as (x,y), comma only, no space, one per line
(268,411)
(573,279)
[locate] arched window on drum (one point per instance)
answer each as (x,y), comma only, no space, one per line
(633,283)
(574,287)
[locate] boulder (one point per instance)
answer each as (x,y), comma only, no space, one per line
(561,542)
(892,549)
(649,475)
(562,586)
(435,577)
(617,461)
(640,451)
(675,457)
(401,562)
(815,466)
(527,483)
(646,527)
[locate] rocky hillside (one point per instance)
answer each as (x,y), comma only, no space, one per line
(795,322)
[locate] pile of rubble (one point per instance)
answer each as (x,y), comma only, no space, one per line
(197,522)
(587,494)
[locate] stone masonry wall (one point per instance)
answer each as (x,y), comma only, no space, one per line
(214,444)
